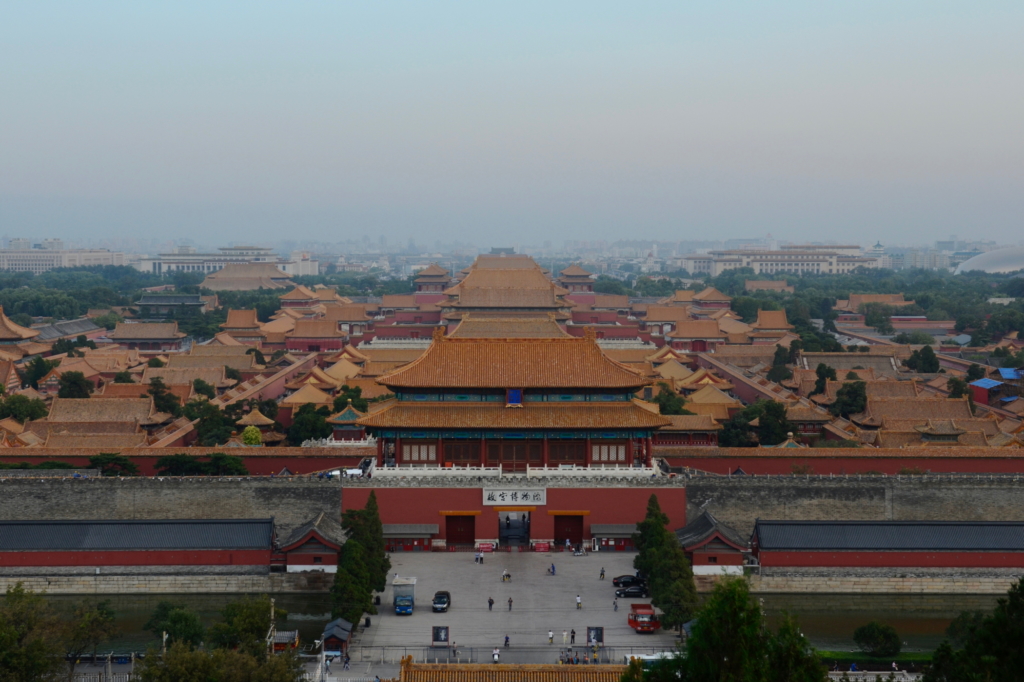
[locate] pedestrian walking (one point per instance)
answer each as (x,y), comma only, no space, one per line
(490,603)
(506,641)
(579,603)
(551,637)
(615,604)
(510,603)
(348,660)
(602,573)
(572,637)
(565,637)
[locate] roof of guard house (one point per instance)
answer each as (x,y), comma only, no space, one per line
(433,270)
(100,410)
(707,526)
(575,270)
(890,535)
(136,535)
(772,319)
(518,363)
(697,329)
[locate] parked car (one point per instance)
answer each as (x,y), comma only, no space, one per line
(627,580)
(633,592)
(442,600)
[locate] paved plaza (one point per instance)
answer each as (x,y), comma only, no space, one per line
(541,602)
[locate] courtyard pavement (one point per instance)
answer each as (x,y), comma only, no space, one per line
(541,602)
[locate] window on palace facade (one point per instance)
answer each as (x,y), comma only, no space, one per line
(419,453)
(608,453)
(514,397)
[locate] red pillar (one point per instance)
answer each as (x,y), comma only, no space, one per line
(483,451)
(380,451)
(440,452)
(545,451)
(398,450)
(588,453)
(650,449)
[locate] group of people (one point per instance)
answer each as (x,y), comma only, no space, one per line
(568,657)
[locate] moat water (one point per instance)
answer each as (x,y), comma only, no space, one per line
(828,620)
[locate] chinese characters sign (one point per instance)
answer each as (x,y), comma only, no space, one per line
(515,496)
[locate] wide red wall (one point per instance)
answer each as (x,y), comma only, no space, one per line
(598,505)
(206,557)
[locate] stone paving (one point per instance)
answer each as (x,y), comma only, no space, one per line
(541,602)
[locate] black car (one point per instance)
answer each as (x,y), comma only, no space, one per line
(633,592)
(442,600)
(627,580)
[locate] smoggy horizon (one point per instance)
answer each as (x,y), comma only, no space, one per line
(223,122)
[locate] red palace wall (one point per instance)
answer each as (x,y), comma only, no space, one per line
(596,505)
(206,557)
(894,559)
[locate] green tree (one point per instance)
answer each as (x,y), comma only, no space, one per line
(214,426)
(37,369)
(154,362)
(22,408)
(824,374)
(957,388)
(924,361)
(182,662)
(179,465)
(661,560)
(245,625)
(991,650)
(163,399)
(916,337)
(309,423)
(124,377)
(730,643)
(773,426)
(252,436)
(350,393)
(364,525)
(181,625)
(350,593)
(851,398)
(963,627)
(30,646)
(220,464)
(975,372)
(91,625)
(74,385)
(113,464)
(232,373)
(203,388)
(877,639)
(668,401)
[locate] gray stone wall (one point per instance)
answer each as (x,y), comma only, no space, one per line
(291,501)
(174,584)
(740,500)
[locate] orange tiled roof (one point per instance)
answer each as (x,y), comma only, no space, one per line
(680,296)
(398,301)
(432,270)
(766,285)
(246,277)
(346,313)
(514,363)
(692,422)
(772,319)
(711,294)
(666,313)
(146,330)
(697,329)
(414,415)
(241,319)
(575,270)
(508,328)
(486,261)
(479,672)
(299,293)
(9,331)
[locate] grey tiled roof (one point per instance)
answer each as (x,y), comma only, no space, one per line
(408,530)
(608,530)
(890,535)
(136,535)
(703,527)
(67,328)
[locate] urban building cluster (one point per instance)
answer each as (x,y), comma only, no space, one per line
(504,390)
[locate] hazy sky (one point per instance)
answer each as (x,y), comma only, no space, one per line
(517,122)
